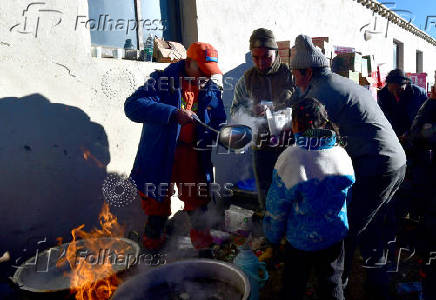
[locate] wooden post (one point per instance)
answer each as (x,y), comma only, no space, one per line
(139,32)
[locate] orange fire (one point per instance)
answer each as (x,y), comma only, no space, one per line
(87,154)
(91,280)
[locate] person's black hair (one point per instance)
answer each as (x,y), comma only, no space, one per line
(310,113)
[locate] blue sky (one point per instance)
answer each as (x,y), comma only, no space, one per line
(417,9)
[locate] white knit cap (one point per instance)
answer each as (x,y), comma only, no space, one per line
(307,55)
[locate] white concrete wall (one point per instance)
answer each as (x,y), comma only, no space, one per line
(228,26)
(56,102)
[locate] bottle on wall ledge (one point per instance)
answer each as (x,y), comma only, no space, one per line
(148,48)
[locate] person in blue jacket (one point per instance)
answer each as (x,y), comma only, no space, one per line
(172,148)
(379,160)
(306,203)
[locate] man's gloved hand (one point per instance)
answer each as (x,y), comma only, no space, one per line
(259,110)
(272,254)
(266,255)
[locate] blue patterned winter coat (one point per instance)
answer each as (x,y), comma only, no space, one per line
(306,202)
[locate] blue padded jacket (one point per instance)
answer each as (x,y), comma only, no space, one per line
(306,202)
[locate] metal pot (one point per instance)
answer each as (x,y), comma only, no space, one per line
(187,279)
(234,137)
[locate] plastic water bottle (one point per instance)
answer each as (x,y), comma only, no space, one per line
(249,263)
(148,48)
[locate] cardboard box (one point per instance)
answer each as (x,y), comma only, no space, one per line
(319,41)
(348,61)
(341,49)
(354,76)
(284,44)
(364,67)
(329,51)
(285,60)
(366,81)
(284,53)
(168,52)
(326,48)
(320,46)
(371,63)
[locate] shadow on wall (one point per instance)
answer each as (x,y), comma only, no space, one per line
(47,187)
(230,80)
(227,163)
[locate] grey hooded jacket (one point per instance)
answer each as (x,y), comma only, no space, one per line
(369,137)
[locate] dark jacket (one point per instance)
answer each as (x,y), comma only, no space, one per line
(370,140)
(254,87)
(401,114)
(276,86)
(422,134)
(153,104)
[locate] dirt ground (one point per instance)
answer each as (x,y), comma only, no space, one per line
(412,269)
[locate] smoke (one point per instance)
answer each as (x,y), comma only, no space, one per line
(244,116)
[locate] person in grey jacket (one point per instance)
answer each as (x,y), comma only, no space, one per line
(378,159)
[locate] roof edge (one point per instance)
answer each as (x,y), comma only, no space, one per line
(392,17)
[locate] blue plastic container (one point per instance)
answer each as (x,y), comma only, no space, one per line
(249,263)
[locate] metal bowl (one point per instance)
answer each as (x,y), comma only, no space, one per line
(197,278)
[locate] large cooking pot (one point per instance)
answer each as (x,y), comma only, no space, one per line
(192,279)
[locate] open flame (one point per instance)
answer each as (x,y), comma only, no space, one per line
(88,155)
(91,280)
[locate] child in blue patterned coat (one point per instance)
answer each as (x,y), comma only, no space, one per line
(306,203)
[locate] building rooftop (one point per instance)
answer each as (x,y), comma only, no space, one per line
(385,12)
